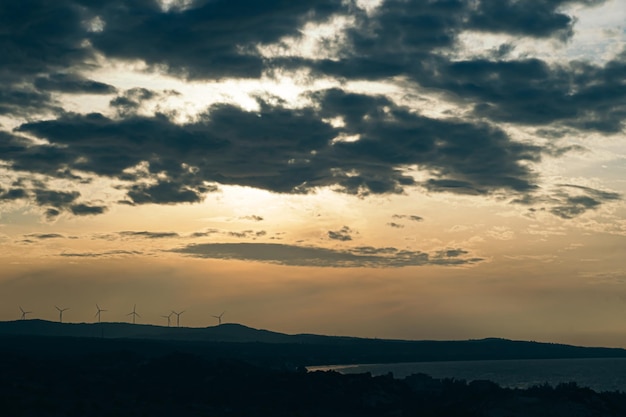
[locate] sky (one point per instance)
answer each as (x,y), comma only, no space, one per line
(408,169)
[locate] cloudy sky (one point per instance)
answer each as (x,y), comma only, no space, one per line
(417,169)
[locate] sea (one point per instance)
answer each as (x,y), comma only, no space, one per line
(599,374)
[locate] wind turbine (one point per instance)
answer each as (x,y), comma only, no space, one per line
(134,313)
(24,313)
(168,317)
(100,310)
(61,310)
(219,318)
(178,317)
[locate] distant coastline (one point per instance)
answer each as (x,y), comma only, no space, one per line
(598,374)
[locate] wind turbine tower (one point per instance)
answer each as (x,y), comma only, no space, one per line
(178,317)
(219,318)
(134,313)
(100,310)
(168,317)
(61,310)
(24,313)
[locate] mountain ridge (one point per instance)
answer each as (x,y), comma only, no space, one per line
(265,346)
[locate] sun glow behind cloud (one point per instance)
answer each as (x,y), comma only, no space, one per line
(325,158)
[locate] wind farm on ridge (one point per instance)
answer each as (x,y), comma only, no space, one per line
(98,316)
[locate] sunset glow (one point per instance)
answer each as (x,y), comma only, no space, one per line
(399,169)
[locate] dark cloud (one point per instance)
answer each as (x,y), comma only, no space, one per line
(39,38)
(411,217)
(320,257)
(404,37)
(455,151)
(86,210)
(371,250)
(52,214)
(278,149)
(56,199)
(205,233)
(568,200)
(342,234)
(540,18)
(530,91)
(575,200)
(395,225)
(72,83)
(247,234)
(12,194)
(43,236)
(131,100)
(47,46)
(168,192)
(25,101)
(212,39)
(39,35)
(253,217)
(452,253)
(149,235)
(106,254)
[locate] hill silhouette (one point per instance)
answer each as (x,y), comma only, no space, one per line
(266,347)
(51,369)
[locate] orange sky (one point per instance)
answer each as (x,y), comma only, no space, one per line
(328,167)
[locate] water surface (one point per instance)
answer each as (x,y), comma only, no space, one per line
(603,374)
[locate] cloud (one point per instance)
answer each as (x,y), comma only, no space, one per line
(578,200)
(57,199)
(253,217)
(247,234)
(44,236)
(320,257)
(278,149)
(342,234)
(149,235)
(107,254)
(532,92)
(453,151)
(131,100)
(31,67)
(210,39)
(395,225)
(569,201)
(72,83)
(537,19)
(411,217)
(158,160)
(12,194)
(205,233)
(168,192)
(452,253)
(86,210)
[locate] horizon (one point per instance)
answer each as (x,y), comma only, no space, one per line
(394,169)
(546,342)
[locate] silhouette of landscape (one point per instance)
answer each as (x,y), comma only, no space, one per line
(109,369)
